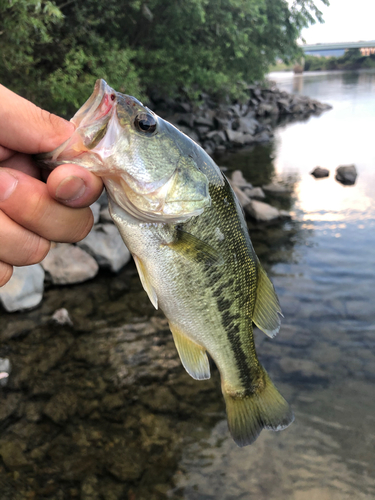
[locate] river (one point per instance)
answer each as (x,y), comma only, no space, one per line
(104,410)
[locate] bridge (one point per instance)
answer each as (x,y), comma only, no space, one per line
(326,47)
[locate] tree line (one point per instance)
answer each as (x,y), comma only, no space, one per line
(53,51)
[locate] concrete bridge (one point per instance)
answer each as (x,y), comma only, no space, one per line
(325,48)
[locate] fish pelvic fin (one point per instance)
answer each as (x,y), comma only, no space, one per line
(193,357)
(249,413)
(143,276)
(267,310)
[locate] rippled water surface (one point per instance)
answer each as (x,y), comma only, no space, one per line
(104,410)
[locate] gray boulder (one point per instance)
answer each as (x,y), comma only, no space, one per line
(346,174)
(262,211)
(24,290)
(95,209)
(239,180)
(67,264)
(275,189)
(242,198)
(105,244)
(320,172)
(238,138)
(256,192)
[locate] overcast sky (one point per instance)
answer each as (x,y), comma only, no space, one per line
(345,21)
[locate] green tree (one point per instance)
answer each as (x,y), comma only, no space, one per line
(53,52)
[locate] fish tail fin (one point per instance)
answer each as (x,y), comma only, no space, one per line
(264,408)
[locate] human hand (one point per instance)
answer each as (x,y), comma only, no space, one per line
(34,213)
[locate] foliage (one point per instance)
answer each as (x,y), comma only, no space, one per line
(52,53)
(352,59)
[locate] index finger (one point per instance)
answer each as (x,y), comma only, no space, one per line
(29,129)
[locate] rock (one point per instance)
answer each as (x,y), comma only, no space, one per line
(24,290)
(320,172)
(255,193)
(104,215)
(95,209)
(9,404)
(263,136)
(238,138)
(105,244)
(61,406)
(61,316)
(262,211)
(275,189)
(246,124)
(267,109)
(346,174)
(12,454)
(5,369)
(242,198)
(68,264)
(89,488)
(237,179)
(218,136)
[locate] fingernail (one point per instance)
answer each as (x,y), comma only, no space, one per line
(8,184)
(70,189)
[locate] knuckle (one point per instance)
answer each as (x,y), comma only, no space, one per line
(6,272)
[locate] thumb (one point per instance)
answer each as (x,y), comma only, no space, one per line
(29,129)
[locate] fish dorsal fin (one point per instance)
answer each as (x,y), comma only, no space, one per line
(194,249)
(193,356)
(149,289)
(267,307)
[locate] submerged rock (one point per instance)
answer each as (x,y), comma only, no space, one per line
(320,172)
(24,290)
(346,174)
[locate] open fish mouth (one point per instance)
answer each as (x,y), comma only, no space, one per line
(97,106)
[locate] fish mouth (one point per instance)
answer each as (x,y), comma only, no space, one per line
(97,106)
(91,122)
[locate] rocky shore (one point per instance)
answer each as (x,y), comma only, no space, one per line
(220,127)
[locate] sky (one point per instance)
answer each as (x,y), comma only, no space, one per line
(345,21)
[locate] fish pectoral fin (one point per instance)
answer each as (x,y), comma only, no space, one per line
(194,249)
(267,309)
(193,357)
(149,289)
(249,413)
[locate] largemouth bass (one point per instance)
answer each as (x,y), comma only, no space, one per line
(182,223)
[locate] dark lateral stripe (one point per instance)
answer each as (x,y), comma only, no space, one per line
(232,289)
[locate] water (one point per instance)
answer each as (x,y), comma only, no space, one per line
(104,410)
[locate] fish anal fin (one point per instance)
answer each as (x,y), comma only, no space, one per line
(193,357)
(194,249)
(149,289)
(249,414)
(267,309)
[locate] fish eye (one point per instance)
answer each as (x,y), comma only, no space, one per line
(113,97)
(145,123)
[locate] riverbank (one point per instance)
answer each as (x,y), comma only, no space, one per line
(219,127)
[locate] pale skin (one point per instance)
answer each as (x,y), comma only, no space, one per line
(32,212)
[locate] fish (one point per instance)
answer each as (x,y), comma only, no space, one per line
(186,231)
